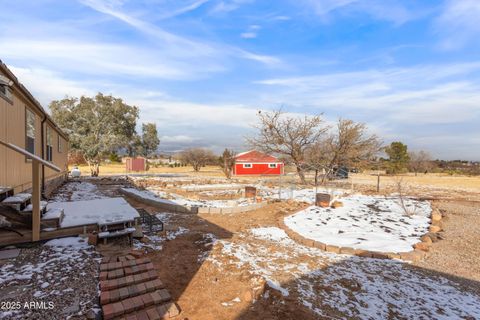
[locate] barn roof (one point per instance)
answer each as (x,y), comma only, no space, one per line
(255,156)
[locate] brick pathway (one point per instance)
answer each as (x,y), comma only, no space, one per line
(131,290)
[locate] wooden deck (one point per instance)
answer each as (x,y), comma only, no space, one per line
(9,238)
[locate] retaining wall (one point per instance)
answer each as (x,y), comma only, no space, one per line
(192,209)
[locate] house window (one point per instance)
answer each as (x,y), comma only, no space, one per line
(272,165)
(59,144)
(5,90)
(49,144)
(247,165)
(30,131)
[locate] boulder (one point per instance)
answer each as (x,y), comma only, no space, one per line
(434,229)
(436,215)
(423,246)
(426,238)
(337,204)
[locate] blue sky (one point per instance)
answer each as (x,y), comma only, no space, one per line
(201,69)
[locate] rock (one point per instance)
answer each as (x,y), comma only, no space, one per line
(331,248)
(393,255)
(434,229)
(363,253)
(424,246)
(347,250)
(379,255)
(145,240)
(247,296)
(438,223)
(436,216)
(426,239)
(93,315)
(319,245)
(433,236)
(337,204)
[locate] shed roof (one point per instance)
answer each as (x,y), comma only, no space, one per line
(255,156)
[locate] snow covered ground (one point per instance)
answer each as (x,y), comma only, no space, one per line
(94,211)
(303,195)
(215,186)
(76,191)
(365,222)
(154,242)
(360,288)
(62,271)
(172,198)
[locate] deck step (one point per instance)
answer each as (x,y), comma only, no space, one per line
(18,201)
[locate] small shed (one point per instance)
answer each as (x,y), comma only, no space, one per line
(257,163)
(136,164)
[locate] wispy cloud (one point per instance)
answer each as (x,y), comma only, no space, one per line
(388,10)
(184,9)
(395,100)
(184,46)
(458,23)
(252,32)
(227,6)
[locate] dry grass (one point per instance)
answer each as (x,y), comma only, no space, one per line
(427,180)
(120,168)
(443,181)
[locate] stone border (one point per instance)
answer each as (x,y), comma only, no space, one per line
(193,209)
(419,249)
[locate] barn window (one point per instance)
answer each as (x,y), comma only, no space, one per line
(30,131)
(272,165)
(49,144)
(247,165)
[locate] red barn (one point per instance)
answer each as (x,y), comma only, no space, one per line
(257,163)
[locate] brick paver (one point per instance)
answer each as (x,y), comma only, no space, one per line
(131,290)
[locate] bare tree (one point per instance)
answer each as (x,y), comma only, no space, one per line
(400,187)
(197,157)
(288,136)
(420,161)
(227,161)
(348,144)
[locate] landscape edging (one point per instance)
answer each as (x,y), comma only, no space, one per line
(436,220)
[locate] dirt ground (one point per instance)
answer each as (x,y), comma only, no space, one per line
(200,261)
(207,284)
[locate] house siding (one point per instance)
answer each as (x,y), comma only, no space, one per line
(15,170)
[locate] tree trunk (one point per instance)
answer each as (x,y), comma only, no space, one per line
(94,167)
(301,174)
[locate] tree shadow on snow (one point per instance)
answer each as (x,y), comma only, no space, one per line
(365,288)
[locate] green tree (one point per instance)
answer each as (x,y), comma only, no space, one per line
(97,126)
(150,140)
(398,157)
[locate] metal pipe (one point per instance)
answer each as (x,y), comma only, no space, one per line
(42,136)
